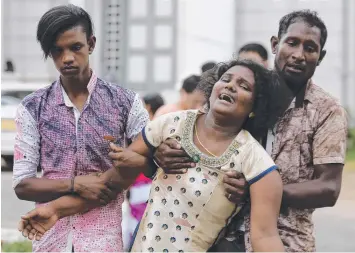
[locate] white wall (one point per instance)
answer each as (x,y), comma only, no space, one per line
(205,32)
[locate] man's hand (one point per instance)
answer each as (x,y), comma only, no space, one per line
(172,158)
(38,221)
(236,186)
(94,188)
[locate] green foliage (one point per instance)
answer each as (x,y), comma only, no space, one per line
(20,246)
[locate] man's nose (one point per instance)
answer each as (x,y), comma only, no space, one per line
(68,58)
(298,54)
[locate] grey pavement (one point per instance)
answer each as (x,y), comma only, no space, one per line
(334,227)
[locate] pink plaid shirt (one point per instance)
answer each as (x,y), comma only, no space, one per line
(53,135)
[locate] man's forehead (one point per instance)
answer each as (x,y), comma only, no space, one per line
(303,30)
(73,35)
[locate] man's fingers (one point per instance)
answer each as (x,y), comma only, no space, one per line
(232,198)
(38,236)
(110,193)
(31,214)
(115,148)
(233,191)
(38,227)
(22,224)
(26,230)
(31,234)
(172,144)
(176,171)
(181,159)
(235,174)
(179,166)
(173,153)
(105,196)
(238,183)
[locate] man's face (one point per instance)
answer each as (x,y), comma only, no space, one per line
(71,52)
(253,56)
(298,52)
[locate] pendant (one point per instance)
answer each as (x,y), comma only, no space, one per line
(196,158)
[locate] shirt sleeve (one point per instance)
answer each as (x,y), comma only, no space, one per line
(27,147)
(256,163)
(329,142)
(156,130)
(137,119)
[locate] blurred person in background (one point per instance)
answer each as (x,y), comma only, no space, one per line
(255,52)
(9,67)
(190,97)
(207,66)
(152,103)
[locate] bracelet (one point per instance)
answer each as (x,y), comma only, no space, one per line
(72,185)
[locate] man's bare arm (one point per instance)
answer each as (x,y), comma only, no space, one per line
(42,189)
(322,191)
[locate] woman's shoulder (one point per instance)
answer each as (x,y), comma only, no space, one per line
(250,143)
(177,116)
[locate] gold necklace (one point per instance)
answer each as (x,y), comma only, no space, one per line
(198,139)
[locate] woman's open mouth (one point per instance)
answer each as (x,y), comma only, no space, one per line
(226,97)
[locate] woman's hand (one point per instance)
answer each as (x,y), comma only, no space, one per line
(128,164)
(38,221)
(236,186)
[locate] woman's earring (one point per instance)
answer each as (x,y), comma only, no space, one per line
(251,115)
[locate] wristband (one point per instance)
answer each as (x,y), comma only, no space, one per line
(72,185)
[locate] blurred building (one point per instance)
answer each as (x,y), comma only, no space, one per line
(151,45)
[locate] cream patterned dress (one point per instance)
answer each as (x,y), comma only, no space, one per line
(187,212)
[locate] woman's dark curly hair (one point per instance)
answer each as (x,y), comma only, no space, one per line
(265,111)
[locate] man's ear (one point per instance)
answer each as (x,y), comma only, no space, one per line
(274,44)
(92,43)
(321,57)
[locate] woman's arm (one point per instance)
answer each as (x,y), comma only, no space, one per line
(266,195)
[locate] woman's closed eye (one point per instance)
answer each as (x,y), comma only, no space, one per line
(242,83)
(226,78)
(244,86)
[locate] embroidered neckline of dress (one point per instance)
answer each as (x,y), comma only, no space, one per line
(192,150)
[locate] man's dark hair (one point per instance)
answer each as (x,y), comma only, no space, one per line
(58,20)
(266,82)
(255,47)
(307,16)
(154,100)
(190,83)
(208,65)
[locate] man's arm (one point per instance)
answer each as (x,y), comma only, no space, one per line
(42,189)
(26,160)
(322,191)
(329,148)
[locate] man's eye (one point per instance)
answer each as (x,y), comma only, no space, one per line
(76,48)
(310,49)
(291,43)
